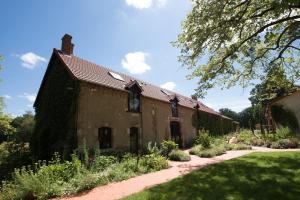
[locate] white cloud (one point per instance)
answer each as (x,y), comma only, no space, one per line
(143,4)
(168,85)
(29,97)
(139,4)
(6,96)
(135,62)
(30,60)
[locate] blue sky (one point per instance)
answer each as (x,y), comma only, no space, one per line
(129,36)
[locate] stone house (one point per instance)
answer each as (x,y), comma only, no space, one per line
(80,101)
(280,109)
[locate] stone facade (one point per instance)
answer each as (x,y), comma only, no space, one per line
(100,106)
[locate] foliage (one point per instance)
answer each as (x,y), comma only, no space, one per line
(55,119)
(102,162)
(24,126)
(251,116)
(229,113)
(211,152)
(12,155)
(243,39)
(153,162)
(167,146)
(276,177)
(275,85)
(215,124)
(195,149)
(284,117)
(285,143)
(178,155)
(153,149)
(57,178)
(203,138)
(6,130)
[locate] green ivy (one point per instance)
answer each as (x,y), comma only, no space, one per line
(55,129)
(212,123)
(284,117)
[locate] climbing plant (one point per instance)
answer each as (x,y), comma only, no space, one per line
(284,117)
(215,124)
(55,107)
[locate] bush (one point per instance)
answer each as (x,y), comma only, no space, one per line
(257,142)
(204,139)
(211,152)
(178,155)
(283,133)
(285,143)
(154,162)
(13,155)
(196,149)
(167,146)
(102,162)
(56,178)
(242,147)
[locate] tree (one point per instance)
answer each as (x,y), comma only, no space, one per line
(1,98)
(24,126)
(229,113)
(275,85)
(6,130)
(242,40)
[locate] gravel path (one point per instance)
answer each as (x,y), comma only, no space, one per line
(127,187)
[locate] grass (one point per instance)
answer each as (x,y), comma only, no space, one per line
(258,176)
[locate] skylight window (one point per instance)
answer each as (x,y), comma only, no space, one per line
(166,92)
(116,76)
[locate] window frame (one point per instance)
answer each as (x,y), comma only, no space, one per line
(130,98)
(174,113)
(109,145)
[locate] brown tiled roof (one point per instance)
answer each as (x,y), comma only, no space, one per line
(86,71)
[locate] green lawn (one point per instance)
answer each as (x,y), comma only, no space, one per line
(272,176)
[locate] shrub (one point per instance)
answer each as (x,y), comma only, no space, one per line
(285,143)
(57,178)
(257,142)
(204,139)
(196,149)
(245,137)
(283,133)
(13,155)
(102,162)
(167,146)
(242,147)
(178,155)
(207,153)
(153,149)
(211,152)
(153,162)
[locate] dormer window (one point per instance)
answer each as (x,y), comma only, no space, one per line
(134,101)
(134,96)
(174,106)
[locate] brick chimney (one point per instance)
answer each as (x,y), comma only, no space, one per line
(194,97)
(67,45)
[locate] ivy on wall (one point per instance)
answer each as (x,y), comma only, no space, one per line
(55,129)
(284,117)
(216,125)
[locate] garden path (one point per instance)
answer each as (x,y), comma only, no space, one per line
(127,187)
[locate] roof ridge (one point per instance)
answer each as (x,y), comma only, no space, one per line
(128,77)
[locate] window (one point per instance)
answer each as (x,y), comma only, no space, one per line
(166,92)
(174,107)
(134,101)
(104,137)
(116,76)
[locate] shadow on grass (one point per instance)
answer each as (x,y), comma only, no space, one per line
(256,176)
